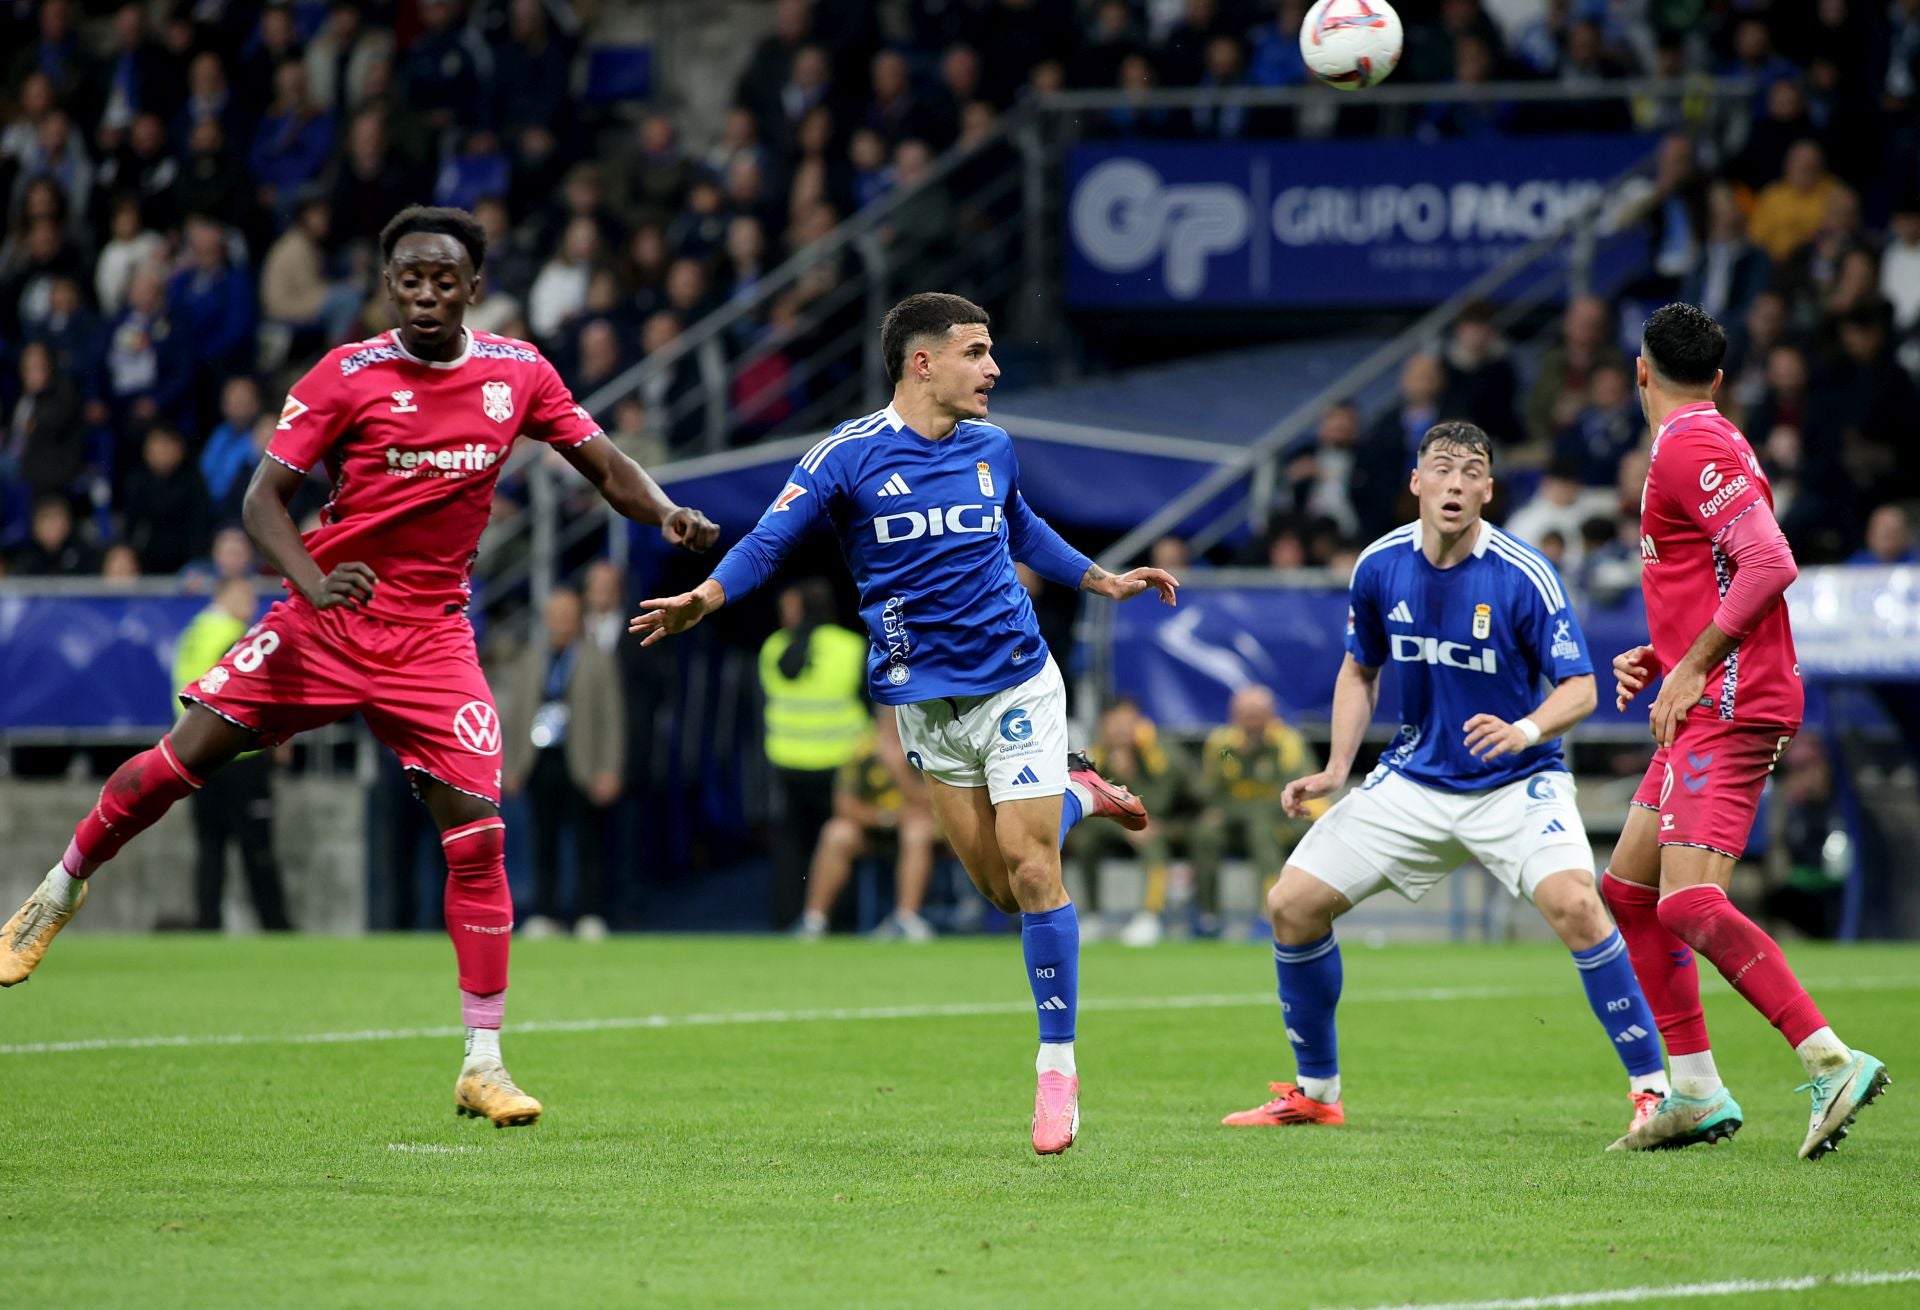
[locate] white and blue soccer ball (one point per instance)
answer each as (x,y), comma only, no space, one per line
(1351,44)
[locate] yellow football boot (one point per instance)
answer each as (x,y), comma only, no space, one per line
(31,930)
(486,1091)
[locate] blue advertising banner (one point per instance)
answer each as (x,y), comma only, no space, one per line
(1236,225)
(1182,664)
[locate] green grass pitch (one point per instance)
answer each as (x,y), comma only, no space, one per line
(810,1158)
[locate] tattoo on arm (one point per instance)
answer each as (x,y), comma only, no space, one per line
(1093,574)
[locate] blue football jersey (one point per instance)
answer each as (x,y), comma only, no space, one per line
(930,530)
(1490,635)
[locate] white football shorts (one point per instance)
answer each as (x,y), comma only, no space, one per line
(1013,742)
(1392,832)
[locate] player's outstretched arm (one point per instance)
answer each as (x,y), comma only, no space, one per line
(264,512)
(634,494)
(1489,736)
(1125,586)
(1355,693)
(666,616)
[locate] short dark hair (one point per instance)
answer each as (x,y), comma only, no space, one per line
(1457,434)
(928,314)
(1683,344)
(441,220)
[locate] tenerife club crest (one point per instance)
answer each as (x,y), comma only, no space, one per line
(497,399)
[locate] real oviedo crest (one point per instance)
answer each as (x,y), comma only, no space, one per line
(497,399)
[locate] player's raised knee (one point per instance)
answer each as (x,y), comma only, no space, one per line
(1034,882)
(1299,910)
(1571,905)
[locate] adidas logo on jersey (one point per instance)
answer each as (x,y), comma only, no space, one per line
(1400,614)
(895,486)
(1026,777)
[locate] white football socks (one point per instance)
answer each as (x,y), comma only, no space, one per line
(62,887)
(1649,1082)
(1055,1057)
(1695,1075)
(1324,1090)
(483,1046)
(1082,795)
(1822,1053)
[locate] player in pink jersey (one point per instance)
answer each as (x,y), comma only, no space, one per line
(413,427)
(1715,569)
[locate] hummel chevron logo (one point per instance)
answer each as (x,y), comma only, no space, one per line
(1025,777)
(895,486)
(1400,614)
(1555,826)
(1053,1003)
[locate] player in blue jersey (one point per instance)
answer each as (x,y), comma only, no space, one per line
(1477,625)
(925,499)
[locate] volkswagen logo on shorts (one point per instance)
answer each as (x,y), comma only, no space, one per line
(1015,725)
(477,727)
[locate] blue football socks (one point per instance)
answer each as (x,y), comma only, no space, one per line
(1050,940)
(1614,993)
(1310,978)
(1071,812)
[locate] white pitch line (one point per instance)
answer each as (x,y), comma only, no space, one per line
(432,1148)
(1626,1295)
(955,1010)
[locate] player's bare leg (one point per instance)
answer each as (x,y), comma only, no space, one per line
(1571,905)
(134,798)
(1307,960)
(480,920)
(1694,906)
(912,872)
(1012,854)
(841,843)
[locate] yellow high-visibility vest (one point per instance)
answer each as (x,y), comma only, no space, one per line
(817,720)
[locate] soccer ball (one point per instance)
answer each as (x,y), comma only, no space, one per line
(1351,44)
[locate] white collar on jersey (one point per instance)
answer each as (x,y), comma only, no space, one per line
(1691,409)
(1480,543)
(893,418)
(466,349)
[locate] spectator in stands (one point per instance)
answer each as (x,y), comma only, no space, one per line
(1783,400)
(893,110)
(1564,501)
(660,174)
(56,155)
(27,274)
(120,564)
(596,358)
(1560,383)
(54,51)
(44,447)
(1244,766)
(1900,265)
(214,182)
(534,66)
(135,75)
(559,294)
(880,809)
(1608,426)
(1729,270)
(813,674)
(1333,478)
(53,550)
(808,86)
(1220,116)
(1170,553)
(564,729)
(1868,402)
(1127,750)
(1276,59)
(297,292)
(1889,540)
(210,98)
(747,196)
(130,246)
(227,458)
(1481,385)
(760,90)
(1749,341)
(68,329)
(739,139)
(448,68)
(479,168)
(818,173)
(340,57)
(1783,121)
(369,184)
(212,303)
(668,393)
(166,516)
(33,101)
(1396,434)
(274,44)
(1811,275)
(1674,211)
(292,143)
(922,227)
(959,85)
(146,367)
(144,168)
(1137,118)
(1476,62)
(1789,212)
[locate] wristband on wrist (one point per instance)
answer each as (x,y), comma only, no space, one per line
(1528,729)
